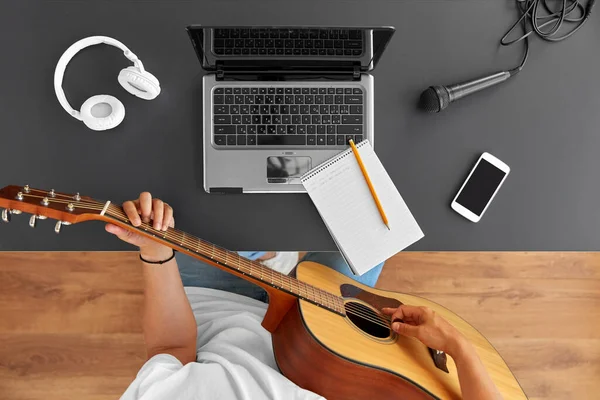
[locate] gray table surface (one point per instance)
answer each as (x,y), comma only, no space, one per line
(544,123)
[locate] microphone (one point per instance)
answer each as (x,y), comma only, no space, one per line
(436,98)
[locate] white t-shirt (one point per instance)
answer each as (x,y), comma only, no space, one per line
(234,358)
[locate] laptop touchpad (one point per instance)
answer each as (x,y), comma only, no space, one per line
(287,170)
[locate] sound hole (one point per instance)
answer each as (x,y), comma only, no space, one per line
(367,320)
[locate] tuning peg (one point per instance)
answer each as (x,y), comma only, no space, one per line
(33,218)
(59,224)
(6,215)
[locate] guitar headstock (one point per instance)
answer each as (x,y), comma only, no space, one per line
(41,204)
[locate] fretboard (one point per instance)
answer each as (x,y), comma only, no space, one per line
(251,270)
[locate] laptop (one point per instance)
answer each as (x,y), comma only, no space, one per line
(280,100)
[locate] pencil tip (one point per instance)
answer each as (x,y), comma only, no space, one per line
(389,229)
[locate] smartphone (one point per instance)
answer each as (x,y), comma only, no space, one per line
(480,187)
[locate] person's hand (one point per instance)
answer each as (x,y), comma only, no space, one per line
(145,209)
(428,327)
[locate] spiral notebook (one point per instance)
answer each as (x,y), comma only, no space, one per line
(341,195)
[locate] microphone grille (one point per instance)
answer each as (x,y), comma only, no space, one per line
(434,99)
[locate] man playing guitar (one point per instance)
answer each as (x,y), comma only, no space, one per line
(204,343)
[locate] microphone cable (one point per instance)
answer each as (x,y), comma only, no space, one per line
(547,24)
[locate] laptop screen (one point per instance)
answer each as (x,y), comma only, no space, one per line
(289,48)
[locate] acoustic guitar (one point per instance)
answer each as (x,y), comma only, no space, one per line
(329,335)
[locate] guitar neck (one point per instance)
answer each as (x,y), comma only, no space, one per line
(250,270)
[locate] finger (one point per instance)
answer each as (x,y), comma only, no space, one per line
(412,312)
(122,233)
(158,208)
(405,329)
(398,314)
(115,230)
(168,217)
(136,202)
(146,206)
(388,310)
(132,213)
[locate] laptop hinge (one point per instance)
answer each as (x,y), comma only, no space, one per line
(220,72)
(356,74)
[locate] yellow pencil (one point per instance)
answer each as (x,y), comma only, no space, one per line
(369,183)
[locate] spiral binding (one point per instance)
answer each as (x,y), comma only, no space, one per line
(327,164)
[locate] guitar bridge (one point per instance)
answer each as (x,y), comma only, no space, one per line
(439,359)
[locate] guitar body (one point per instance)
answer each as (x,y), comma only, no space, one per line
(340,359)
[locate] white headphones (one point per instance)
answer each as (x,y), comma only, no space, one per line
(103,112)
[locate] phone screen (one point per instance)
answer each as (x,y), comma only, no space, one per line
(480,187)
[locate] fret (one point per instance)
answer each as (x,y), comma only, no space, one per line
(227,260)
(212,252)
(290,283)
(306,291)
(301,285)
(306,294)
(321,299)
(285,279)
(240,265)
(333,301)
(219,256)
(182,239)
(330,301)
(280,282)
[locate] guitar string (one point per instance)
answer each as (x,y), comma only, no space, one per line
(330,301)
(353,309)
(98,206)
(76,203)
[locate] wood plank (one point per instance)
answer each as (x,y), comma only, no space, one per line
(59,366)
(69,292)
(70,325)
(540,310)
(554,368)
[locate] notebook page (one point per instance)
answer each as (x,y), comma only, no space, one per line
(339,191)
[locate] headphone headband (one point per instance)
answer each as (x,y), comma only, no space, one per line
(75,48)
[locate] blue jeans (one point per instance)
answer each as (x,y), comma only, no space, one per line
(197,273)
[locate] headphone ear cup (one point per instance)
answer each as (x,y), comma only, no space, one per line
(141,84)
(102,112)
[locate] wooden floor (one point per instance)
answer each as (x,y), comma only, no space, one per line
(70,329)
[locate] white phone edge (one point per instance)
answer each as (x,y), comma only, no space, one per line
(464,211)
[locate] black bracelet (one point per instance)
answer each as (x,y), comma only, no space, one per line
(158,262)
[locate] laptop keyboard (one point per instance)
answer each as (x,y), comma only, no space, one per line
(287,116)
(288,42)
